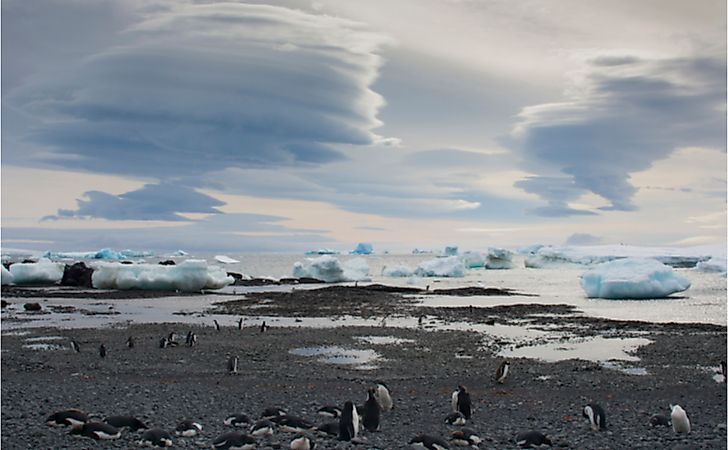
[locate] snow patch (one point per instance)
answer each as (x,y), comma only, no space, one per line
(632,278)
(441,267)
(329,269)
(190,276)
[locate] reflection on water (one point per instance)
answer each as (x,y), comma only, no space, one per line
(357,358)
(594,348)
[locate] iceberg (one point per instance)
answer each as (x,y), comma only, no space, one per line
(473,260)
(632,278)
(322,251)
(7,277)
(329,269)
(451,250)
(441,267)
(363,248)
(418,251)
(43,272)
(225,259)
(499,258)
(191,275)
(589,255)
(397,271)
(713,265)
(104,253)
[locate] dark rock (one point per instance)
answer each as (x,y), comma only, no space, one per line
(32,307)
(127,262)
(302,280)
(78,274)
(168,262)
(29,261)
(3,303)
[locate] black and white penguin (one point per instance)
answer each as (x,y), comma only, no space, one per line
(130,342)
(190,339)
(240,323)
(271,412)
(263,427)
(597,417)
(302,442)
(383,396)
(531,439)
(429,442)
(680,419)
(172,337)
(461,402)
(455,418)
(234,440)
(188,428)
(102,351)
(237,420)
(465,437)
(163,343)
(263,327)
(129,422)
(217,325)
(96,430)
(293,424)
(658,420)
(330,428)
(232,365)
(348,422)
(502,373)
(156,437)
(372,412)
(68,417)
(330,411)
(74,345)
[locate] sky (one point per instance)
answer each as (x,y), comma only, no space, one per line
(285,126)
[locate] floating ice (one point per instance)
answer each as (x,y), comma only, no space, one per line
(363,248)
(397,271)
(104,253)
(322,251)
(473,260)
(180,253)
(441,267)
(450,251)
(418,251)
(191,276)
(329,269)
(499,258)
(716,265)
(546,257)
(632,278)
(7,276)
(42,272)
(225,259)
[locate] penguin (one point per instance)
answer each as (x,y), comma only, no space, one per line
(188,428)
(217,325)
(191,339)
(329,428)
(271,412)
(240,323)
(597,417)
(348,422)
(455,418)
(658,420)
(237,420)
(372,412)
(232,365)
(68,417)
(680,419)
(102,351)
(419,320)
(74,345)
(302,442)
(172,337)
(163,343)
(464,438)
(530,439)
(263,427)
(293,424)
(383,397)
(96,430)
(130,342)
(234,440)
(263,327)
(502,372)
(156,437)
(428,442)
(130,422)
(330,411)
(461,402)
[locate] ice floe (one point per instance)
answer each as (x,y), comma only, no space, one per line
(632,278)
(441,267)
(499,258)
(104,253)
(329,269)
(190,276)
(225,259)
(42,272)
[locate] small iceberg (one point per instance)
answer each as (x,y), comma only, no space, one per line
(43,272)
(363,248)
(632,278)
(191,275)
(450,266)
(473,260)
(712,265)
(499,258)
(225,259)
(397,271)
(451,250)
(329,269)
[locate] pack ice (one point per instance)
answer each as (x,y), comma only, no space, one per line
(329,269)
(632,278)
(190,276)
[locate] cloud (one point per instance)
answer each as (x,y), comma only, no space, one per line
(191,88)
(622,114)
(164,201)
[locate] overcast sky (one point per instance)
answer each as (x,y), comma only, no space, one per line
(292,125)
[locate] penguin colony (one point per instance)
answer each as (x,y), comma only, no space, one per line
(346,423)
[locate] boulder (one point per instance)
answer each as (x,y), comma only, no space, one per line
(78,274)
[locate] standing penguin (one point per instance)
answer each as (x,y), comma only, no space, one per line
(263,327)
(597,417)
(383,397)
(163,343)
(102,351)
(502,372)
(74,345)
(461,402)
(130,342)
(371,412)
(240,323)
(680,420)
(348,423)
(232,365)
(217,325)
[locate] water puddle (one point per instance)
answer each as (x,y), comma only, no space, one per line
(614,365)
(595,349)
(45,338)
(45,346)
(384,340)
(358,359)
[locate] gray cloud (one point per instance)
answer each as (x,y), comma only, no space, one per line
(164,201)
(191,88)
(624,113)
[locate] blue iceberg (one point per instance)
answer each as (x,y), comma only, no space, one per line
(632,278)
(363,248)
